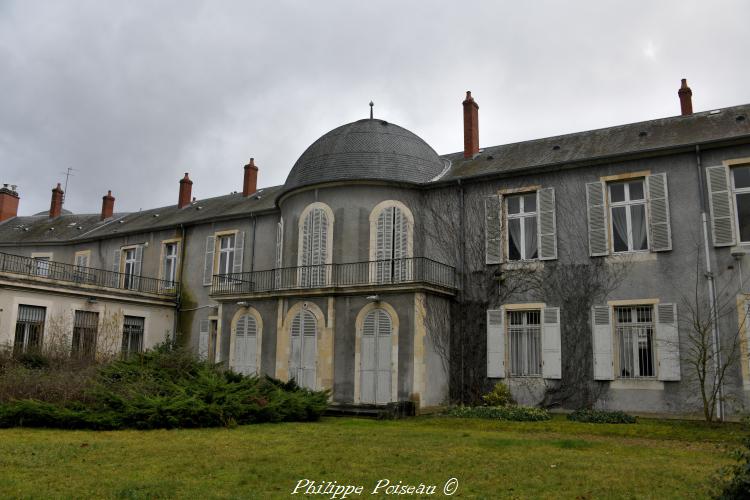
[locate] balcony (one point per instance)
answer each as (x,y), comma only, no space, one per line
(396,273)
(87,277)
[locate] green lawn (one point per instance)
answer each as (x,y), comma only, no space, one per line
(555,459)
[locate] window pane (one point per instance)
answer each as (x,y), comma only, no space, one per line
(619,229)
(529,202)
(530,237)
(616,192)
(514,204)
(743,215)
(514,239)
(638,221)
(741,177)
(636,190)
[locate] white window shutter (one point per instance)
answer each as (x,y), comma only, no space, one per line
(547,226)
(295,348)
(596,207)
(116,261)
(239,251)
(493,231)
(138,267)
(658,203)
(368,359)
(496,343)
(601,321)
(279,252)
(305,248)
(667,342)
(203,339)
(551,349)
(384,245)
(208,263)
(245,345)
(720,205)
(383,334)
(309,351)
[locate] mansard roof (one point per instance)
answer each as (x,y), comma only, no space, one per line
(619,141)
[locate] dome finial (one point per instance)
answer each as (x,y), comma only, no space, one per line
(371,105)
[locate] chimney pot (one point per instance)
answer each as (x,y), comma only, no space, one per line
(471,126)
(55,207)
(108,205)
(686,98)
(186,189)
(8,202)
(250,183)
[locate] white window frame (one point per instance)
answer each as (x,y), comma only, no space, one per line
(226,252)
(628,203)
(735,192)
(129,261)
(41,263)
(635,359)
(169,262)
(523,336)
(522,216)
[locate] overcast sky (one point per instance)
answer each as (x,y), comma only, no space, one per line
(134,94)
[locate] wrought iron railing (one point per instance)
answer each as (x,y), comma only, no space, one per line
(68,273)
(381,272)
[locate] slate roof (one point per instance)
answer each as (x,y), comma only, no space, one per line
(368,149)
(81,227)
(647,136)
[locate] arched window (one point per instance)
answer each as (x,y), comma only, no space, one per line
(376,351)
(391,242)
(303,352)
(314,248)
(245,359)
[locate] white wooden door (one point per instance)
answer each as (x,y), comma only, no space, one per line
(303,352)
(375,356)
(246,346)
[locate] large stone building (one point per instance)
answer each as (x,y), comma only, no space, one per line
(570,267)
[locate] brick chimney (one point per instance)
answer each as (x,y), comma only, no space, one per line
(55,206)
(108,205)
(250,184)
(471,126)
(186,189)
(8,202)
(686,98)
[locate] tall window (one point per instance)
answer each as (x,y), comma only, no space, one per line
(226,254)
(246,345)
(82,260)
(376,358)
(392,246)
(741,181)
(129,258)
(170,263)
(85,327)
(303,352)
(522,232)
(132,335)
(525,334)
(29,328)
(314,248)
(634,328)
(627,203)
(41,266)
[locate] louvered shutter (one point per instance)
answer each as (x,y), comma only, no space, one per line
(208,263)
(551,352)
(384,242)
(309,352)
(304,260)
(295,348)
(493,237)
(239,250)
(383,334)
(368,354)
(659,226)
(596,207)
(547,226)
(279,252)
(402,264)
(720,204)
(203,339)
(115,280)
(496,343)
(138,267)
(667,342)
(601,320)
(245,345)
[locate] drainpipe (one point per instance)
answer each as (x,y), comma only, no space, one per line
(252,247)
(183,243)
(711,289)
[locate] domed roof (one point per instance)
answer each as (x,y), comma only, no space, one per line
(368,149)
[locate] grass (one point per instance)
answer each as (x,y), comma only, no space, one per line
(490,459)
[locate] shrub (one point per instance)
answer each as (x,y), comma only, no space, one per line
(164,388)
(499,396)
(734,480)
(601,416)
(515,413)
